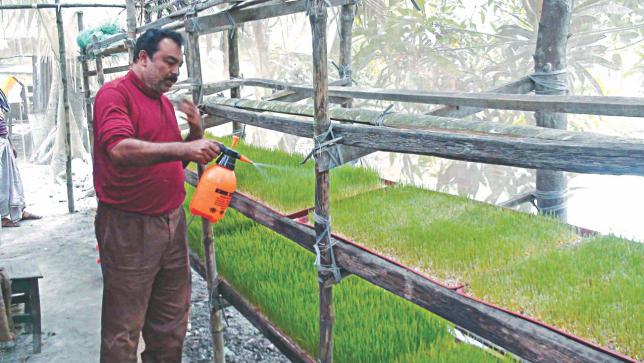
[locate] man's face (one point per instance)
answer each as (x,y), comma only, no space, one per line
(162,70)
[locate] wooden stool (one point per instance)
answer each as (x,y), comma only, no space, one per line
(24,277)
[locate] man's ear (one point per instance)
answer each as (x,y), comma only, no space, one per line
(143,57)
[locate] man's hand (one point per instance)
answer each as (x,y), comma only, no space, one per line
(193,117)
(201,151)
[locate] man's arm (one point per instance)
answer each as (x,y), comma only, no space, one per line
(134,152)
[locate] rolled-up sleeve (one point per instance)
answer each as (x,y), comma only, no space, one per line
(112,122)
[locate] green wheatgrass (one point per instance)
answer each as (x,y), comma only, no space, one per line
(530,264)
(527,263)
(371,324)
(448,237)
(594,289)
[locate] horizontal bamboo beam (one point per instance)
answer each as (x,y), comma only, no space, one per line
(592,105)
(55,6)
(96,46)
(120,48)
(109,70)
(222,21)
(295,96)
(282,342)
(407,121)
(179,15)
(176,16)
(216,87)
(589,105)
(567,151)
(521,86)
(526,338)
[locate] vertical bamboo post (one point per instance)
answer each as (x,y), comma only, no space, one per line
(216,315)
(130,8)
(347,14)
(233,72)
(100,76)
(318,18)
(550,66)
(63,77)
(86,90)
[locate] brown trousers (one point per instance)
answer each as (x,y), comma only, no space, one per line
(146,284)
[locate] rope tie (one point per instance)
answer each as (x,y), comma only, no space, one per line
(233,25)
(236,103)
(319,248)
(326,142)
(550,83)
(344,70)
(309,7)
(550,195)
(380,119)
(192,23)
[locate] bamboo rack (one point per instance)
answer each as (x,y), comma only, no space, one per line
(444,136)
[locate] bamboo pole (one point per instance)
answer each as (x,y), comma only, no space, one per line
(86,90)
(63,76)
(216,315)
(233,72)
(100,76)
(346,38)
(550,56)
(130,7)
(318,18)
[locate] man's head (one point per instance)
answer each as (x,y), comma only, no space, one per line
(157,58)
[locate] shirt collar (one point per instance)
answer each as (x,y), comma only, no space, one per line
(138,83)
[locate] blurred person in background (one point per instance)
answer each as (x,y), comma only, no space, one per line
(12,196)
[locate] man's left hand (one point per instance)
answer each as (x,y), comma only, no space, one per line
(192,116)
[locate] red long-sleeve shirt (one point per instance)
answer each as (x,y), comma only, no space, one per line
(126,108)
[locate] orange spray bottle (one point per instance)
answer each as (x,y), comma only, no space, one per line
(217,185)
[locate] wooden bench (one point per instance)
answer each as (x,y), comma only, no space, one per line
(24,276)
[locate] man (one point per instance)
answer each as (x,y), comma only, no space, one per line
(140,223)
(12,196)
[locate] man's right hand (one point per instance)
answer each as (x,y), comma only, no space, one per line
(201,151)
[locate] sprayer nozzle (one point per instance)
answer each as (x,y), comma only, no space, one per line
(245,159)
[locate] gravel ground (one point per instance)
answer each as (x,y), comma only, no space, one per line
(243,342)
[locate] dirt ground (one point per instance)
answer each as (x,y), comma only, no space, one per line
(62,245)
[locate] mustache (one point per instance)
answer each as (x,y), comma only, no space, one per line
(172,78)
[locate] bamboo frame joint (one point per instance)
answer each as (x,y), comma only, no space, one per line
(328,281)
(192,24)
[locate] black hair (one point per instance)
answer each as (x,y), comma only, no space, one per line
(149,41)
